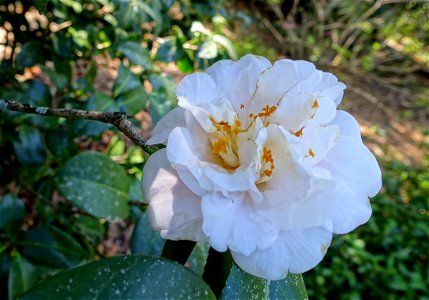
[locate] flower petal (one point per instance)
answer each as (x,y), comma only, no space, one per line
(350,210)
(275,82)
(198,94)
(178,117)
(237,80)
(351,163)
(228,224)
(348,125)
(173,208)
(294,251)
(329,87)
(189,154)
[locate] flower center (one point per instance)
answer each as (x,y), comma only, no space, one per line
(224,143)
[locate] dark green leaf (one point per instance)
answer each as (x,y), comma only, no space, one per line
(198,258)
(58,142)
(11,211)
(125,81)
(168,50)
(145,240)
(29,149)
(89,127)
(159,106)
(95,183)
(134,100)
(135,192)
(37,94)
(51,247)
(124,277)
(57,79)
(292,287)
(40,5)
(29,55)
(136,54)
(242,285)
(22,276)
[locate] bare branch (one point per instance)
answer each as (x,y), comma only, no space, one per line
(119,119)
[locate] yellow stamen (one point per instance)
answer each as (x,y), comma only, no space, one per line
(315,104)
(299,132)
(310,151)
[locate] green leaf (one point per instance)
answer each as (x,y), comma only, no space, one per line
(29,55)
(22,276)
(159,106)
(95,183)
(37,94)
(145,240)
(135,192)
(242,285)
(30,149)
(292,287)
(168,50)
(134,100)
(198,257)
(136,54)
(124,277)
(51,247)
(11,211)
(40,5)
(126,81)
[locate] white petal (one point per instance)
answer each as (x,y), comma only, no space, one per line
(275,82)
(294,111)
(351,162)
(228,224)
(198,94)
(237,80)
(178,117)
(348,124)
(185,152)
(294,251)
(330,87)
(173,208)
(350,210)
(318,142)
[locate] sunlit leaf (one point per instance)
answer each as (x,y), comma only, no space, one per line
(95,183)
(124,277)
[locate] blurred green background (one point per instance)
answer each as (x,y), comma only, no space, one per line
(112,55)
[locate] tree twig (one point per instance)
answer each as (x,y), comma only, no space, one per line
(119,119)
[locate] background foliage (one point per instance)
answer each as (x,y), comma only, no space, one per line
(113,55)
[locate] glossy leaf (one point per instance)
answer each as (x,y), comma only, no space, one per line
(95,183)
(29,55)
(124,277)
(242,285)
(133,100)
(51,247)
(136,54)
(29,149)
(23,275)
(145,240)
(126,81)
(11,211)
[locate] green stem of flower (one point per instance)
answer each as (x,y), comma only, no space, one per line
(217,269)
(178,250)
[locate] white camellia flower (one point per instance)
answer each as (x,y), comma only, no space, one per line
(259,161)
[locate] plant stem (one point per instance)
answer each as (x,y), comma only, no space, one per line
(217,269)
(119,119)
(178,250)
